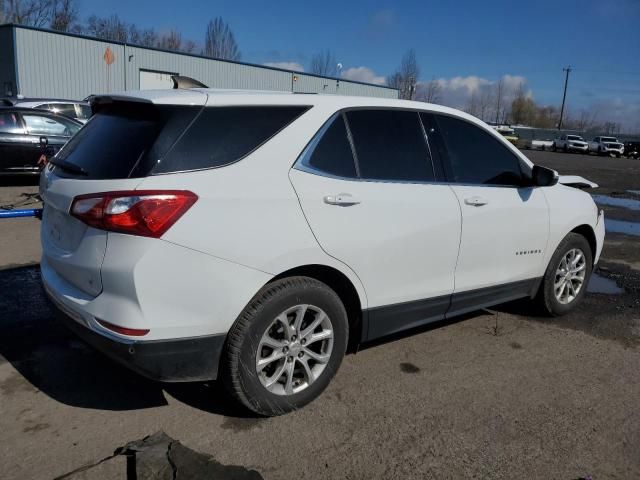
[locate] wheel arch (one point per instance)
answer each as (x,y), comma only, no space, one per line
(587,232)
(344,288)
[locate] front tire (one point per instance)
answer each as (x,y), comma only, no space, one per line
(565,281)
(286,346)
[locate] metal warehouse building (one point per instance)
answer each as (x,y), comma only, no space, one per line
(43,63)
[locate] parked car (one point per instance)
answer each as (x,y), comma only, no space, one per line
(25,134)
(80,111)
(632,149)
(606,146)
(250,237)
(570,143)
(508,133)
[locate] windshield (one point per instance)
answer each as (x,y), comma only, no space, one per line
(609,139)
(83,112)
(574,137)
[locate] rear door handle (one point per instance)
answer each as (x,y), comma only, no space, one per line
(476,201)
(342,200)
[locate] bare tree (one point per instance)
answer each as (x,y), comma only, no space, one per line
(35,13)
(586,120)
(523,108)
(107,28)
(324,63)
(145,38)
(170,41)
(189,46)
(65,16)
(406,78)
(219,41)
(472,107)
(433,91)
(499,88)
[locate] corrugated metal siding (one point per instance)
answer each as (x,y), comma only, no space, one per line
(358,89)
(7,62)
(213,73)
(63,66)
(313,84)
(73,67)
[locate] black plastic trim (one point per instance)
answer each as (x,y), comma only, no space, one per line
(183,360)
(390,319)
(469,301)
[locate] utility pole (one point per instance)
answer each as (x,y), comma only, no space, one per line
(564,95)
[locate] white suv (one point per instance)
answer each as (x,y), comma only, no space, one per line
(198,234)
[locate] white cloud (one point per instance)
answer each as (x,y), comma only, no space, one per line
(286,65)
(457,91)
(363,74)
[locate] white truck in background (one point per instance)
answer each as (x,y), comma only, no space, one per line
(569,143)
(606,146)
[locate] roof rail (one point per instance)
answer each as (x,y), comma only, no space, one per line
(186,82)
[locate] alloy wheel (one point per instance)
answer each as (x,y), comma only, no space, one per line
(570,276)
(294,350)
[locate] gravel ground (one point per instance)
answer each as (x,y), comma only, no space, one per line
(496,394)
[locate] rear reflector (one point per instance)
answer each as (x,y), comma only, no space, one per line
(132,332)
(148,213)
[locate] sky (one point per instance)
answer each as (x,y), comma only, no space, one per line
(463,44)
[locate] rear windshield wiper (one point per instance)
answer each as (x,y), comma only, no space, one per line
(69,167)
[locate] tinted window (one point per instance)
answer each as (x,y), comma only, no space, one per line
(475,156)
(40,125)
(126,140)
(390,145)
(333,153)
(9,123)
(223,135)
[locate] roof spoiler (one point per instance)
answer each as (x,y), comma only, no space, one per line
(186,82)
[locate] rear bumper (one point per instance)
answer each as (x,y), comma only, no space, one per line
(182,360)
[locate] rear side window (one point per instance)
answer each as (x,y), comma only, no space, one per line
(126,140)
(390,145)
(475,156)
(333,153)
(223,135)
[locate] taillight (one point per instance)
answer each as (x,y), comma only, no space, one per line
(148,213)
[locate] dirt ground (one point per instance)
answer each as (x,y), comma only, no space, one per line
(498,394)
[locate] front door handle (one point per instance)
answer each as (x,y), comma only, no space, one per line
(342,200)
(476,201)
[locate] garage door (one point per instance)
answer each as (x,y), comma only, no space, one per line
(154,80)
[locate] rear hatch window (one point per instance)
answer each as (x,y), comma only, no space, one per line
(131,140)
(124,140)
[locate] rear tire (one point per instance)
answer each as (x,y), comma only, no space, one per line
(273,369)
(565,281)
(554,147)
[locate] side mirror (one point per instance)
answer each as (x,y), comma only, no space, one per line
(543,176)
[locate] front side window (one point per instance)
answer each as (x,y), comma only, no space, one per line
(333,154)
(390,145)
(9,123)
(41,125)
(475,156)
